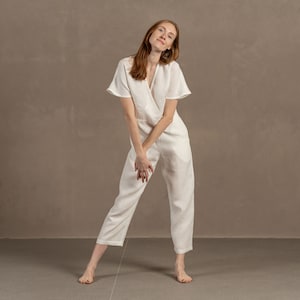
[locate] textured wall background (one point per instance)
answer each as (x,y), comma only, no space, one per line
(63,139)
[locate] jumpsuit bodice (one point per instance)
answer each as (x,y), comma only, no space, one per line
(168,83)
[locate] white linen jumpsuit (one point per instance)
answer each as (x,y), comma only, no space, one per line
(173,147)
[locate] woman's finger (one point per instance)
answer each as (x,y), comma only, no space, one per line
(151,168)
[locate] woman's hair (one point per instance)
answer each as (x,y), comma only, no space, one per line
(139,66)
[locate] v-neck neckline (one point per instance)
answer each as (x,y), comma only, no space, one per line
(150,85)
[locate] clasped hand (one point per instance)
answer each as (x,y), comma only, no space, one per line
(143,167)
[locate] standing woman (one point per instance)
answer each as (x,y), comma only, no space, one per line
(149,85)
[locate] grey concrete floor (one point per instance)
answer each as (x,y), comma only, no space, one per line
(227,269)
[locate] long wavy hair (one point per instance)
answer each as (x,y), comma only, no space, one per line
(139,66)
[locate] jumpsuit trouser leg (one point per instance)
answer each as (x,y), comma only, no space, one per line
(178,173)
(117,221)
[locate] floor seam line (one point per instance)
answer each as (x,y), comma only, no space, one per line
(118,271)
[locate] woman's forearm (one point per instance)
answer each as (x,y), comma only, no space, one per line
(142,165)
(157,130)
(135,135)
(162,124)
(131,122)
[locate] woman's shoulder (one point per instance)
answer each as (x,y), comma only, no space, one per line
(174,63)
(172,66)
(127,61)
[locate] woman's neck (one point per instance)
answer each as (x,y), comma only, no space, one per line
(153,58)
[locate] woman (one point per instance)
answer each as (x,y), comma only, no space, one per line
(149,86)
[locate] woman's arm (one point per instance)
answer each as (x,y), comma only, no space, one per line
(142,164)
(162,124)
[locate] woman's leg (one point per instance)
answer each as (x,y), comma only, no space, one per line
(115,226)
(177,170)
(88,275)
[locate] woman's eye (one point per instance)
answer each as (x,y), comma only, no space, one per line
(170,37)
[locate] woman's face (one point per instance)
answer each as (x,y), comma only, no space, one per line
(162,37)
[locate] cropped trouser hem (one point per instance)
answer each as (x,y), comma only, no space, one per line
(182,251)
(110,243)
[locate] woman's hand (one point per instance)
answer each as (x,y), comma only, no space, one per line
(143,166)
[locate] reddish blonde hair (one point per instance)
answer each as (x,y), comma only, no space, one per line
(139,66)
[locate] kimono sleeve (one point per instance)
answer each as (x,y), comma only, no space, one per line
(119,86)
(177,88)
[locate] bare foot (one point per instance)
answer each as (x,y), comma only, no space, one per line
(87,277)
(181,275)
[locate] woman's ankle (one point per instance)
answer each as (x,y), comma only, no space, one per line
(91,267)
(179,259)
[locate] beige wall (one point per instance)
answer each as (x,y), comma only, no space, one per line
(63,140)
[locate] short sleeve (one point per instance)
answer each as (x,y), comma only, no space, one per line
(119,86)
(177,88)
